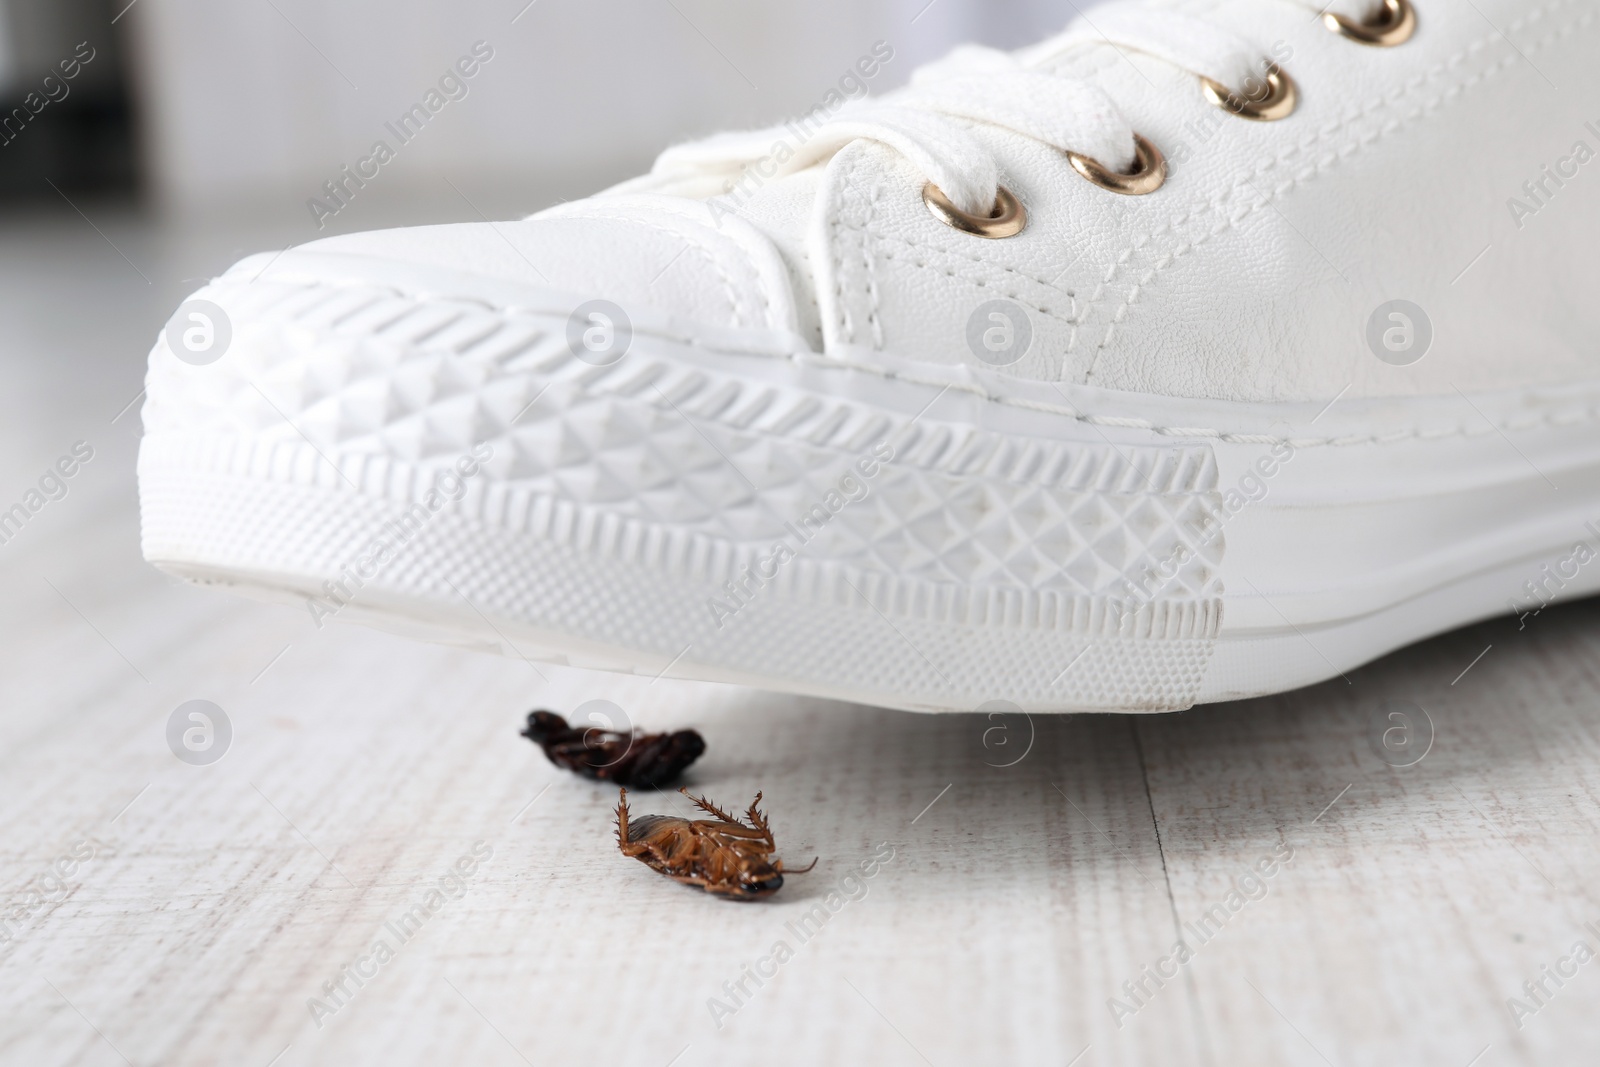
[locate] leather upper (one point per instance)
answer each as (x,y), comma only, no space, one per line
(1251,275)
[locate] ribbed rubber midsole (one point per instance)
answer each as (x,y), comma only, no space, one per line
(287,525)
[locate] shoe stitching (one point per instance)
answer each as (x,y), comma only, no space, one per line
(1326,163)
(875,306)
(1072,298)
(875,303)
(828,362)
(845,320)
(1310,142)
(813,295)
(1307,144)
(981,282)
(1313,140)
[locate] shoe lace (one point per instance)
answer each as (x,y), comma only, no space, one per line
(930,121)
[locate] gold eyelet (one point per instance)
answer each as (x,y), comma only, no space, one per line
(1150,175)
(1395,26)
(1007,219)
(1277,102)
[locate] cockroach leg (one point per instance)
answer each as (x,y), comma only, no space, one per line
(759,822)
(753,814)
(622,822)
(705,805)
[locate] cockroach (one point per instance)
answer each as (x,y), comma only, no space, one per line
(721,855)
(646,761)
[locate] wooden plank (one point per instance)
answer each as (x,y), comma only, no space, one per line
(1419,903)
(363,766)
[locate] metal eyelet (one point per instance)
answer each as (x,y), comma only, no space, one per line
(1395,26)
(1277,101)
(1149,175)
(1007,219)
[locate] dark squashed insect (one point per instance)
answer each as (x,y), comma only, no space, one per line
(645,761)
(722,855)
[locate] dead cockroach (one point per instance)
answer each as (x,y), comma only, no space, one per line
(722,855)
(647,761)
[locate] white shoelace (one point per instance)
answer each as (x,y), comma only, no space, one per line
(929,120)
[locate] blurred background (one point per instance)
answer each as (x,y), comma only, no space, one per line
(147,144)
(200,106)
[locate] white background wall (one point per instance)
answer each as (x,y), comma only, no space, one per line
(269,97)
(8,57)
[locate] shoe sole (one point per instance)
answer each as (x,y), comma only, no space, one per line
(948,538)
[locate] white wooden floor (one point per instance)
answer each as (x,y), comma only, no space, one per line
(204,908)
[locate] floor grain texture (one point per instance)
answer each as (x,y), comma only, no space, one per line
(1041,875)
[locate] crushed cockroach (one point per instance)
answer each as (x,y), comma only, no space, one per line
(721,856)
(646,761)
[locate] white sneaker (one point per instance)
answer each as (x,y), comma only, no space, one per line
(1323,385)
